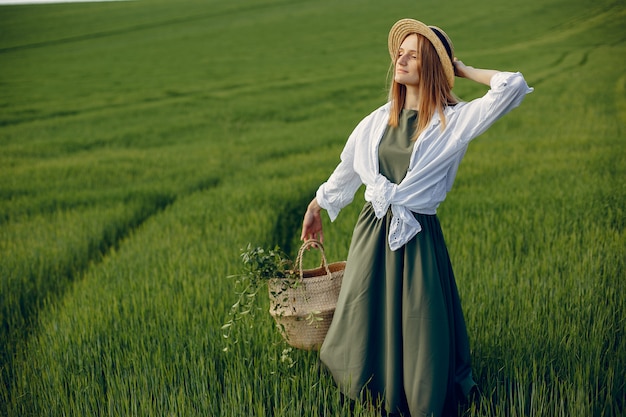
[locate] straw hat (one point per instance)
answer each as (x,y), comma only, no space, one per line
(442,43)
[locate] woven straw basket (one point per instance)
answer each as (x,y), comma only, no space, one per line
(303,307)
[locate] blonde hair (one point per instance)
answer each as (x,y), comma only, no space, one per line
(435,92)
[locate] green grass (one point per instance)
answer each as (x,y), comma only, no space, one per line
(143,144)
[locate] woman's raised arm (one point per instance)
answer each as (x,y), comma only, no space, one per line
(478,75)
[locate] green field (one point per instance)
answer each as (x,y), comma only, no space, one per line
(144,143)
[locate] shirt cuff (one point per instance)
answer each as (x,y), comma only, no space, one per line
(332,211)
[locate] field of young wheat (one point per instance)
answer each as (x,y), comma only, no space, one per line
(143,144)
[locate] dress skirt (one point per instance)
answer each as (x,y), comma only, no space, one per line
(398,334)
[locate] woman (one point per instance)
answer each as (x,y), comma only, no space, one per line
(398,333)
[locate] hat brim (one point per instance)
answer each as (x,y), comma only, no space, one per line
(404,27)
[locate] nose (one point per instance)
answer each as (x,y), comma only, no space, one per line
(402,59)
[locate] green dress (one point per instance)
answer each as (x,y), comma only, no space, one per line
(398,332)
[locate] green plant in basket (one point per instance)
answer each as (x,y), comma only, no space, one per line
(258,266)
(302,301)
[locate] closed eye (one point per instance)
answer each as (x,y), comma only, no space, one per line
(412,55)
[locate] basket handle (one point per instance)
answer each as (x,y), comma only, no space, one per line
(315,244)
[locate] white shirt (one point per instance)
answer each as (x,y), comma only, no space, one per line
(434,160)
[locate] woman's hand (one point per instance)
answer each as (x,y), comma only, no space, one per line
(459,67)
(478,75)
(312,223)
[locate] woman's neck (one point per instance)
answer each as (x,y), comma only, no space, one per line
(412,97)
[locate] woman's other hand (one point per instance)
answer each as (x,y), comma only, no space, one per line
(312,223)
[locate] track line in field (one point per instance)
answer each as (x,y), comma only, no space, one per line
(166,98)
(575,27)
(137,28)
(28,2)
(171,97)
(99,250)
(620,90)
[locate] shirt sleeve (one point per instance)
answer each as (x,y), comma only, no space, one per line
(507,91)
(339,190)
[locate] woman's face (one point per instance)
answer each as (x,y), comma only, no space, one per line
(406,62)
